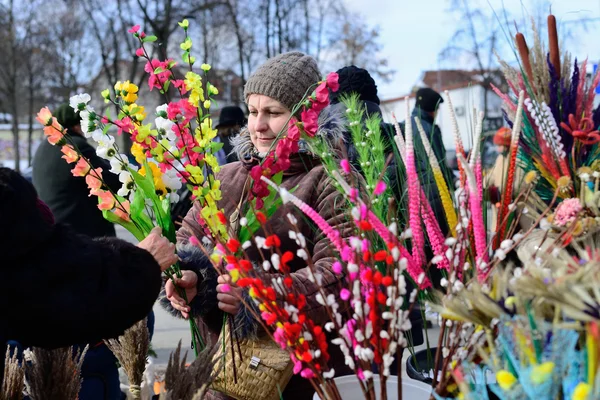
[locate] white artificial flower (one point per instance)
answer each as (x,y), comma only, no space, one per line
(128,183)
(165,127)
(78,99)
(173,197)
(106,152)
(117,166)
(162,108)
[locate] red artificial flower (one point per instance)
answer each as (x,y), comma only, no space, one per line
(244,282)
(322,93)
(273,241)
(285,259)
(261,217)
(245,265)
(293,131)
(288,282)
(332,81)
(134,29)
(140,52)
(233,245)
(310,119)
(387,281)
(365,226)
(222,218)
(583,131)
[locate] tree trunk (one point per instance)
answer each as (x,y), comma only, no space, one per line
(268,27)
(15,132)
(279,27)
(30,114)
(307,27)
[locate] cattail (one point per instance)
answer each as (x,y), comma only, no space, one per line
(55,374)
(131,350)
(524,54)
(14,378)
(553,44)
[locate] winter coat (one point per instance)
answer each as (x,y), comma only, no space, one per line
(308,180)
(60,288)
(68,196)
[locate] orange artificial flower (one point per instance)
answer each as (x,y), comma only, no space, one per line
(107,201)
(123,212)
(70,155)
(81,168)
(53,132)
(94,180)
(44,117)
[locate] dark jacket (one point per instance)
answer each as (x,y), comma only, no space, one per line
(68,196)
(60,288)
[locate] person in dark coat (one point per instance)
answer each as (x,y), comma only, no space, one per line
(231,121)
(68,195)
(69,200)
(60,288)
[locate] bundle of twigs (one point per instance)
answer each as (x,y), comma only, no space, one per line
(131,349)
(189,382)
(54,374)
(14,378)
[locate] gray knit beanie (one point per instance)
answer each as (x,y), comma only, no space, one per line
(285,78)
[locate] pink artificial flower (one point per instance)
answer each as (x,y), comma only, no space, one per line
(337,267)
(297,364)
(345,294)
(567,211)
(123,211)
(379,188)
(332,81)
(310,119)
(279,337)
(307,373)
(134,29)
(140,52)
(81,168)
(107,201)
(225,288)
(194,241)
(345,164)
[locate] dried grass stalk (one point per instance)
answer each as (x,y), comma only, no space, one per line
(14,378)
(192,382)
(131,350)
(55,374)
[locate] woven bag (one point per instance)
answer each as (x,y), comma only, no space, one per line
(262,373)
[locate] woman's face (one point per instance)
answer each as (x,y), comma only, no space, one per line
(267,118)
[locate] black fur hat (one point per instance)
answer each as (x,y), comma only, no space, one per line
(24,220)
(355,80)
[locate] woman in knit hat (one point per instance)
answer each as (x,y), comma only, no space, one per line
(270,93)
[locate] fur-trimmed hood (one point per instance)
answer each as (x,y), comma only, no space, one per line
(332,125)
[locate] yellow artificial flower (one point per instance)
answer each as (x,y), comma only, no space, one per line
(196,174)
(138,152)
(211,89)
(129,87)
(235,275)
(196,96)
(159,185)
(212,162)
(187,44)
(137,112)
(206,104)
(205,67)
(541,373)
(582,391)
(192,80)
(118,87)
(130,98)
(106,95)
(143,132)
(505,379)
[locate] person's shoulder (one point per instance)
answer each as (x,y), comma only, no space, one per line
(230,170)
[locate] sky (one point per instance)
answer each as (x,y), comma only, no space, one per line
(413,32)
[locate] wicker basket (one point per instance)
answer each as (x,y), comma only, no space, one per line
(262,374)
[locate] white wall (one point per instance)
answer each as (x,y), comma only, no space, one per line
(463,100)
